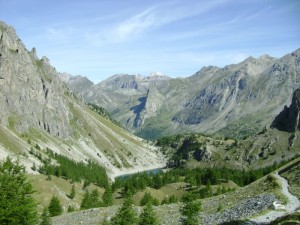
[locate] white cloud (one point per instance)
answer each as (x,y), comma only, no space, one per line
(258,13)
(59,34)
(152,17)
(135,25)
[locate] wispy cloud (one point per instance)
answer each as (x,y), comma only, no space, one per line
(135,25)
(59,34)
(258,13)
(152,17)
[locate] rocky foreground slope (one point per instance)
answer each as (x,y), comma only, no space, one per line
(239,97)
(38,111)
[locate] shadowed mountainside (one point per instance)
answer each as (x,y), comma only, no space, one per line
(288,118)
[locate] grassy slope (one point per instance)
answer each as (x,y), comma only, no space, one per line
(169,213)
(93,138)
(254,152)
(59,187)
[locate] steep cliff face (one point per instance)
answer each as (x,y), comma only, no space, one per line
(30,90)
(149,107)
(236,99)
(289,118)
(38,109)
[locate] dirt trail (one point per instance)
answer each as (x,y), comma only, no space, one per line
(292,205)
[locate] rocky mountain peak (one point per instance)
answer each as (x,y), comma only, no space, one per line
(206,69)
(156,76)
(30,91)
(38,109)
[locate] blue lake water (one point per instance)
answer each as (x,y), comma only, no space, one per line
(149,172)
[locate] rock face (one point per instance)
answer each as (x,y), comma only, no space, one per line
(288,118)
(227,99)
(38,109)
(30,90)
(78,82)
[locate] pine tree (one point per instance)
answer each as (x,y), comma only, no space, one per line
(17,205)
(209,189)
(46,220)
(190,210)
(95,199)
(158,182)
(172,199)
(126,214)
(72,193)
(107,197)
(148,217)
(85,201)
(91,200)
(147,198)
(55,207)
(165,201)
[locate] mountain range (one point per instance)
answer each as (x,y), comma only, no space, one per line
(39,112)
(51,121)
(41,107)
(236,100)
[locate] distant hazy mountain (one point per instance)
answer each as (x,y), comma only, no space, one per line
(235,100)
(38,109)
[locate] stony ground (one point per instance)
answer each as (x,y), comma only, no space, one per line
(245,209)
(169,214)
(292,204)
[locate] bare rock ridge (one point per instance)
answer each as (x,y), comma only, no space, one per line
(38,109)
(289,118)
(229,99)
(30,90)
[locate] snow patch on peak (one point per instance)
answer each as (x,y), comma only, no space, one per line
(156,74)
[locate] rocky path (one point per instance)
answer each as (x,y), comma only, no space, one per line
(292,205)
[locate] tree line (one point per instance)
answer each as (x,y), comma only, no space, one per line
(75,171)
(195,177)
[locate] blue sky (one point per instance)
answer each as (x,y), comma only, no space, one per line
(101,38)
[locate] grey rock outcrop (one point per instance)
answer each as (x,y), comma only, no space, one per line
(289,118)
(245,209)
(30,90)
(81,84)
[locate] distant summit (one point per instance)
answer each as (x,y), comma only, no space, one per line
(156,74)
(238,99)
